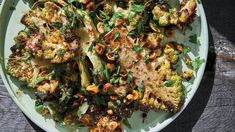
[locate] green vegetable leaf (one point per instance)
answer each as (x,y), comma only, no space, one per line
(115,16)
(90,49)
(82,109)
(111,105)
(12,8)
(126,123)
(129,78)
(104,16)
(116,35)
(141,87)
(193,39)
(39,79)
(197,62)
(71,1)
(106,72)
(137,8)
(93,17)
(137,48)
(185,50)
(38,105)
(132,33)
(146,59)
(60,52)
(169,83)
(98,100)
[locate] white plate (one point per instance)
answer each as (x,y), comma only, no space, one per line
(9,27)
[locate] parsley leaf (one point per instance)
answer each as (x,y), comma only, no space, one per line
(93,17)
(193,39)
(129,78)
(116,35)
(91,47)
(137,8)
(39,79)
(185,50)
(137,48)
(106,72)
(38,105)
(126,123)
(141,87)
(169,83)
(197,62)
(146,59)
(60,52)
(71,1)
(115,16)
(82,109)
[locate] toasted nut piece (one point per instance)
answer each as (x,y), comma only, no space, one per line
(100,27)
(112,125)
(93,89)
(187,74)
(100,48)
(154,40)
(188,60)
(129,98)
(107,87)
(112,97)
(153,56)
(179,47)
(110,66)
(169,46)
(68,119)
(110,112)
(135,94)
(110,56)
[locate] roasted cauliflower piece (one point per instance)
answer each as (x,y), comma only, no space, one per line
(187,11)
(106,124)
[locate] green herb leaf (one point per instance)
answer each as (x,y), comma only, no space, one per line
(129,77)
(115,16)
(137,8)
(193,39)
(111,105)
(197,62)
(114,79)
(126,123)
(90,49)
(12,8)
(146,59)
(98,100)
(38,105)
(106,72)
(141,87)
(169,83)
(60,52)
(116,35)
(104,16)
(93,17)
(39,79)
(185,50)
(82,109)
(137,48)
(71,1)
(132,33)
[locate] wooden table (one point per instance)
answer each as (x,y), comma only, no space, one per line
(213,106)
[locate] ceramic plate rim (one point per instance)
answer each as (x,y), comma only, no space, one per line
(204,42)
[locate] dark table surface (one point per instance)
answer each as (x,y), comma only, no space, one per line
(213,106)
